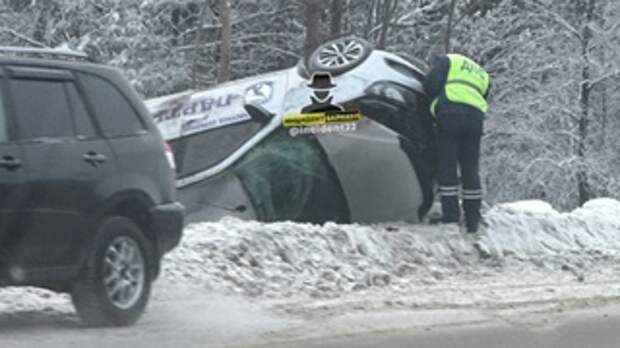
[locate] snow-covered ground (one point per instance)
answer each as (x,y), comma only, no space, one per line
(530,258)
(288,259)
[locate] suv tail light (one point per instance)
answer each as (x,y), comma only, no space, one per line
(170,156)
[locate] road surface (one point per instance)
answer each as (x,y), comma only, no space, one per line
(599,331)
(200,319)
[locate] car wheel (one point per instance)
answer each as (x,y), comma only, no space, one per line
(339,55)
(115,283)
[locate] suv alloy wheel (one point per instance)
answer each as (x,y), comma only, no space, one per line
(115,283)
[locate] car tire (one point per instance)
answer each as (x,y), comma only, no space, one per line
(339,55)
(115,283)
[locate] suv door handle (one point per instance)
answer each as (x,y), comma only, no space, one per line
(10,162)
(94,158)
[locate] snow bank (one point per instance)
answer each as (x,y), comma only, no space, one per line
(537,229)
(284,259)
(526,240)
(18,302)
(529,206)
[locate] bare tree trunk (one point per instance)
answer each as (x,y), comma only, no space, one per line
(385,23)
(40,27)
(369,19)
(346,22)
(604,114)
(584,102)
(336,9)
(448,35)
(223,73)
(603,90)
(175,18)
(312,19)
(200,38)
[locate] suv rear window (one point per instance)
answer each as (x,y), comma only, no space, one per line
(116,116)
(42,109)
(84,128)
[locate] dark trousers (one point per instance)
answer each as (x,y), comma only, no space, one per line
(459,133)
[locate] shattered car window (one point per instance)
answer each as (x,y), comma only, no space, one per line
(288,179)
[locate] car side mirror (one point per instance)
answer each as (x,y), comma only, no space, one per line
(258,113)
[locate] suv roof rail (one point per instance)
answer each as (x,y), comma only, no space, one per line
(43,52)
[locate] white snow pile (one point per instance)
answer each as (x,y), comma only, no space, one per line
(534,228)
(27,305)
(285,259)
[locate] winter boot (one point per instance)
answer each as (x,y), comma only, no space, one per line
(472,226)
(472,214)
(450,209)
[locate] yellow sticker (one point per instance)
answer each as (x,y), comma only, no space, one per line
(319,118)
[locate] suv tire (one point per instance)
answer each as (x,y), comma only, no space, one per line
(339,55)
(115,283)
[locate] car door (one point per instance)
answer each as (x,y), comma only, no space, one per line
(66,162)
(12,188)
(377,178)
(383,166)
(405,112)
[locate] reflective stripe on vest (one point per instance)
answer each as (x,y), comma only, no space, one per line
(433,105)
(466,83)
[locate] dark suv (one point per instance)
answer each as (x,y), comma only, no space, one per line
(87,197)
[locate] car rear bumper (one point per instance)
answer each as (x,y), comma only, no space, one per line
(168,225)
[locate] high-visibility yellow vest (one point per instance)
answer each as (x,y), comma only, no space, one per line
(467,83)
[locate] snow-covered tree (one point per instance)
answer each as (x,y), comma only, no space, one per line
(552,130)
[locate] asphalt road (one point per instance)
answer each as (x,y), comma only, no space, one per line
(595,332)
(559,326)
(202,320)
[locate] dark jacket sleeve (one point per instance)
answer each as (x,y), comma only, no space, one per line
(436,79)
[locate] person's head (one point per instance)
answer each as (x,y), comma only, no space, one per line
(436,58)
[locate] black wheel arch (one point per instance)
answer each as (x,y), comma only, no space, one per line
(136,206)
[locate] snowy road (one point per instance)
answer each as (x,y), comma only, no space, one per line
(592,330)
(186,318)
(182,319)
(536,277)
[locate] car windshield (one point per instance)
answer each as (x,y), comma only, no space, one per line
(309,173)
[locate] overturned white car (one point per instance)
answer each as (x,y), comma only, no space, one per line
(234,156)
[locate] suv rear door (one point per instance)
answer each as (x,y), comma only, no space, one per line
(67,161)
(139,151)
(12,188)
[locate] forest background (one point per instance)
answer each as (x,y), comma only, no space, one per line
(552,131)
